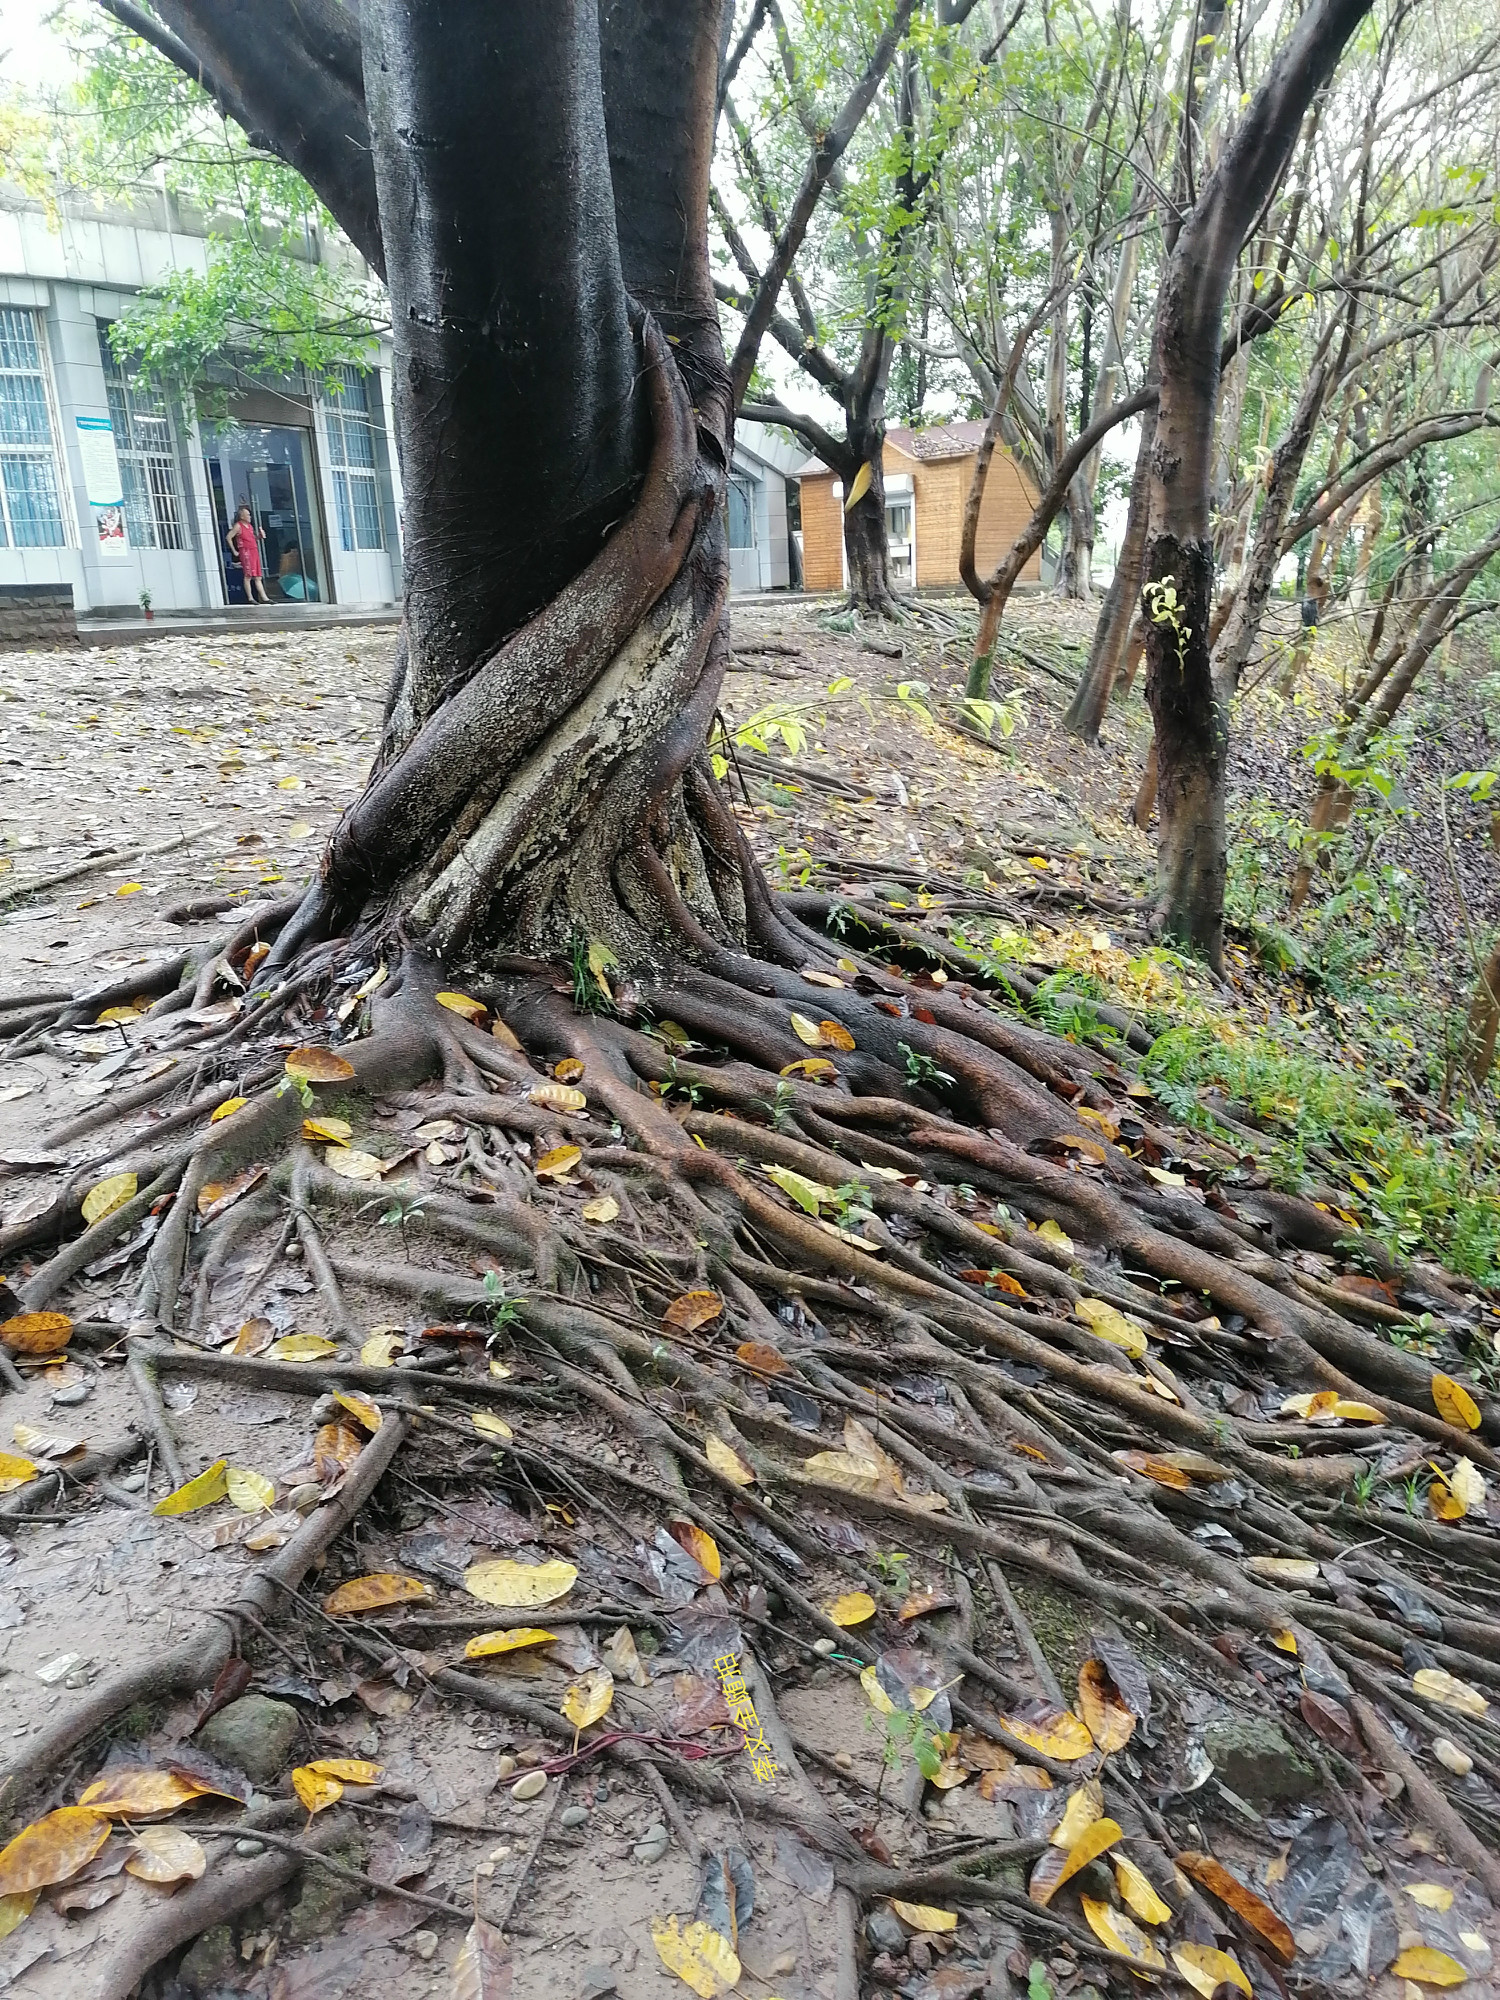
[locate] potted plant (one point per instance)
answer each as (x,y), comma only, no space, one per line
(146,611)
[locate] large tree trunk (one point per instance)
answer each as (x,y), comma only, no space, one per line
(562,412)
(866,539)
(1191,722)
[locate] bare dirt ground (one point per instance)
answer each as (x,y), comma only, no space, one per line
(225,762)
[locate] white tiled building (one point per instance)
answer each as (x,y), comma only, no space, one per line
(114,488)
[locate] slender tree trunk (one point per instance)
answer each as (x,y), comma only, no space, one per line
(1483,1024)
(1239,635)
(1145,798)
(1191,721)
(1085,715)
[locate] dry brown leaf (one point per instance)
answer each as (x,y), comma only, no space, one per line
(761,1357)
(557,1097)
(164,1855)
(352,1164)
(1262,1919)
(1151,1466)
(318,1066)
(1108,1720)
(692,1310)
(372,1593)
(135,1792)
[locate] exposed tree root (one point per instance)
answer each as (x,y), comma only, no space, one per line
(903,1249)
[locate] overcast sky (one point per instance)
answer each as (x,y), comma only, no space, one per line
(32,55)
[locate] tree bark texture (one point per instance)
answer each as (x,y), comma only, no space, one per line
(1177,598)
(562,411)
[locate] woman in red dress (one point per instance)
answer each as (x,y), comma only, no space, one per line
(244,539)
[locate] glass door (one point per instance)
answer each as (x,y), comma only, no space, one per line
(268,468)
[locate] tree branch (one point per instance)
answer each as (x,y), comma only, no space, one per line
(825,158)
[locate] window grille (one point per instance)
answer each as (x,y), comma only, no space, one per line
(143,445)
(351,452)
(30,516)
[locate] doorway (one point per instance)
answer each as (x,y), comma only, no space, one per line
(268,468)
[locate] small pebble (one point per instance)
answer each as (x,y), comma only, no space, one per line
(76,1392)
(844,1761)
(530,1757)
(324,1410)
(530,1787)
(485,1868)
(247,1848)
(422,1943)
(133,1482)
(601,1792)
(825,1646)
(500,1853)
(305,1497)
(506,1766)
(573,1816)
(653,1843)
(293,1250)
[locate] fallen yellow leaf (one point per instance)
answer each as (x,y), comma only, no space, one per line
(105,1196)
(698,1955)
(51,1849)
(515,1585)
(853,1608)
(315,1791)
(372,1593)
(204,1491)
(925,1917)
(483,1644)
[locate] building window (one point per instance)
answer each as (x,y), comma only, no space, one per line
(741,513)
(351,452)
(143,445)
(30,517)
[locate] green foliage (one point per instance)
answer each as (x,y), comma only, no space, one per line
(1408,1189)
(281,290)
(921,1069)
(274,311)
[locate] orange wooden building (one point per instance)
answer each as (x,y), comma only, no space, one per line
(927,476)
